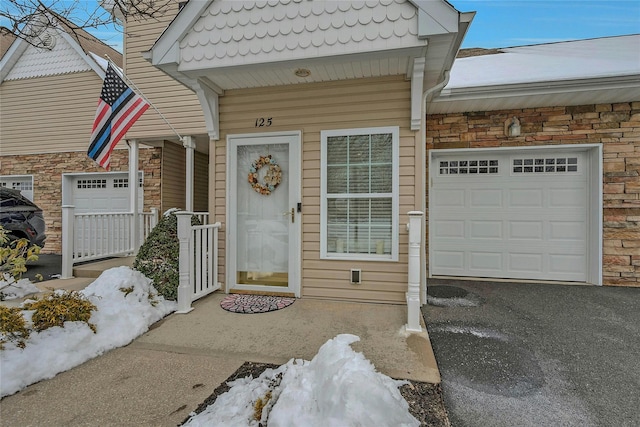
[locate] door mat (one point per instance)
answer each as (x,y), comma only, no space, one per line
(249,304)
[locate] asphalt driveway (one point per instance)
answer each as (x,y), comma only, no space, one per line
(536,354)
(49,266)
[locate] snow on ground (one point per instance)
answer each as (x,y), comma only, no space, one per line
(338,387)
(12,289)
(119,319)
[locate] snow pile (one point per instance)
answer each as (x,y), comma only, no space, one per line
(12,289)
(127,305)
(338,387)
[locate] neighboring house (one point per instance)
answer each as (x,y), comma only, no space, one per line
(559,127)
(48,99)
(334,93)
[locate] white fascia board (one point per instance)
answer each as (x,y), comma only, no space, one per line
(435,17)
(538,88)
(164,49)
(11,57)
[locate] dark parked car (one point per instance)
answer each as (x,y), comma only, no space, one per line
(21,217)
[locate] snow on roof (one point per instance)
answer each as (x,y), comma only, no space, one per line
(574,60)
(102,62)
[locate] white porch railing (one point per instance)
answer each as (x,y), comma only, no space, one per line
(203,217)
(413,291)
(198,262)
(93,236)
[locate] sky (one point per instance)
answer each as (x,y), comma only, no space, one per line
(505,23)
(337,387)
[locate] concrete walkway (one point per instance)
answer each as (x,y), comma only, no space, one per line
(166,373)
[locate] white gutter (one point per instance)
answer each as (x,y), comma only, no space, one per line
(426,97)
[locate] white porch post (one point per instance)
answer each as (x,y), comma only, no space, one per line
(413,292)
(133,193)
(67,241)
(185,291)
(190,145)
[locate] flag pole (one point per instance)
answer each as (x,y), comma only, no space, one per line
(145,98)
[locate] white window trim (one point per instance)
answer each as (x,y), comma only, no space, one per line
(395,136)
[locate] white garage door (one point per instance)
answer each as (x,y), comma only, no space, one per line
(107,192)
(102,193)
(23,183)
(509,214)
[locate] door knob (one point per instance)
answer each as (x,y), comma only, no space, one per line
(292,213)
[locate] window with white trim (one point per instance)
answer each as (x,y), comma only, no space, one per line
(359,194)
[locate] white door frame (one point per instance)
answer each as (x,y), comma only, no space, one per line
(595,201)
(295,197)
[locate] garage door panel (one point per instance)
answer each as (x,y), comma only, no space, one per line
(525,198)
(450,198)
(510,225)
(567,230)
(486,261)
(481,198)
(567,198)
(485,229)
(566,263)
(526,230)
(449,229)
(450,260)
(525,262)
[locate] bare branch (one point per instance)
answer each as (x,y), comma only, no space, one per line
(30,19)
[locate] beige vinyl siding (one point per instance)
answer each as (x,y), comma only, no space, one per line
(48,114)
(177,103)
(201,183)
(173,176)
(311,108)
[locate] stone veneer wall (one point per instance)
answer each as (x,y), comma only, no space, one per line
(615,126)
(47,170)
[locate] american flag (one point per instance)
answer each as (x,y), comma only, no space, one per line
(118,109)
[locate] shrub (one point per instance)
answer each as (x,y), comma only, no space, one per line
(158,257)
(60,307)
(15,253)
(12,326)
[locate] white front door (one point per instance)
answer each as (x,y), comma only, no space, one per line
(263,211)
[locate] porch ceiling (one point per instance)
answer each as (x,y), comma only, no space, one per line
(397,62)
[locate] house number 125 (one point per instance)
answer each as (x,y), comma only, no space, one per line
(262,122)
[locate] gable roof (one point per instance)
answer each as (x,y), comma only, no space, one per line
(335,40)
(215,45)
(79,46)
(592,71)
(6,39)
(88,42)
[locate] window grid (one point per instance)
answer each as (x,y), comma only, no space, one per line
(468,167)
(121,183)
(366,229)
(546,165)
(92,183)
